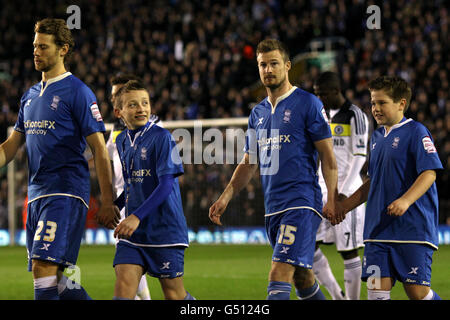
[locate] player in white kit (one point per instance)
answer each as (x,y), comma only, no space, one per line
(350,130)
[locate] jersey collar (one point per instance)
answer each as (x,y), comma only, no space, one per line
(398,125)
(280,98)
(53,80)
(139,132)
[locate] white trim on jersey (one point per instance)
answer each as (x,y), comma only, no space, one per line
(155,245)
(293,208)
(53,80)
(402,241)
(59,194)
(280,98)
(395,126)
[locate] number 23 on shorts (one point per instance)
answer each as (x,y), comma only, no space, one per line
(287,235)
(49,235)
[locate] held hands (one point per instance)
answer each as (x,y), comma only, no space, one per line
(126,228)
(334,212)
(108,215)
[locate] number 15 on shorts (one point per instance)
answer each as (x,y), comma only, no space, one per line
(287,235)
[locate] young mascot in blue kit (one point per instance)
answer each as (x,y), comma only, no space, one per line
(154,235)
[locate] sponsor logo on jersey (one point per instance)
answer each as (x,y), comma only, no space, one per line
(38,127)
(428,145)
(137,176)
(260,121)
(96,112)
(27,103)
(273,142)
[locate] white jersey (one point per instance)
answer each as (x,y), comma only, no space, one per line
(350,130)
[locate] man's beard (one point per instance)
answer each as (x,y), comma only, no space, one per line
(46,67)
(275,86)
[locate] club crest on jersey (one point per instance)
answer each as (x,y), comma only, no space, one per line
(287,116)
(338,130)
(96,112)
(55,102)
(395,143)
(428,145)
(143,153)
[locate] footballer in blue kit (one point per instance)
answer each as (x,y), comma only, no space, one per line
(58,117)
(154,234)
(288,132)
(400,231)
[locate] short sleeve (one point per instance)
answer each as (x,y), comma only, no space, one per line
(86,112)
(317,123)
(423,148)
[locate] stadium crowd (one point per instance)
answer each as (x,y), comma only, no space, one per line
(197,60)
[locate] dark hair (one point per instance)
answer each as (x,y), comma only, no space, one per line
(58,28)
(395,87)
(132,85)
(122,78)
(329,80)
(271,45)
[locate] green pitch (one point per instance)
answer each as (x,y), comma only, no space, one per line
(212,272)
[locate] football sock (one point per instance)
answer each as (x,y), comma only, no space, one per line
(143,293)
(325,276)
(312,293)
(69,290)
(278,290)
(352,278)
(46,288)
(378,295)
(189,297)
(432,296)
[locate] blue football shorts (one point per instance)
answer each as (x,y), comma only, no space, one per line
(55,227)
(158,262)
(409,263)
(292,235)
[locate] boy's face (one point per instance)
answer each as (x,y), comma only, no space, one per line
(385,111)
(135,110)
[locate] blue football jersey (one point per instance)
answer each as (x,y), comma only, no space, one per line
(55,117)
(395,162)
(150,154)
(282,139)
